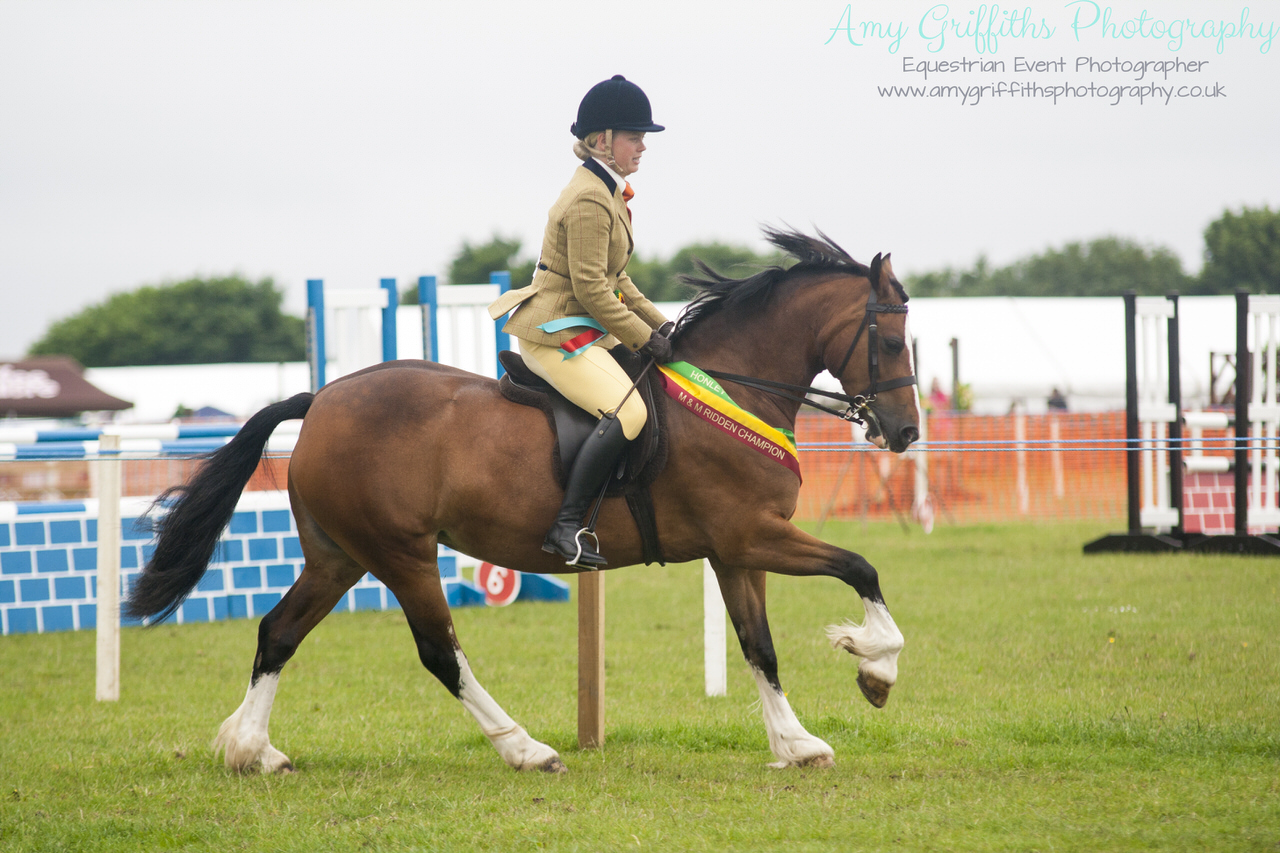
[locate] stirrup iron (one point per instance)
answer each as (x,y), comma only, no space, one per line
(577,540)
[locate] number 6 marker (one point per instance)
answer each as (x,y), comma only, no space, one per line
(501,586)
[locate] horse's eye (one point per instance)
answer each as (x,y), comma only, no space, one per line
(893,346)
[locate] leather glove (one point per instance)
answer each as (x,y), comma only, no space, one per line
(667,328)
(658,347)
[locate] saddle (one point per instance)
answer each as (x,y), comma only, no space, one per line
(640,465)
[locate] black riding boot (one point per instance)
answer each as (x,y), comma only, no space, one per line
(595,463)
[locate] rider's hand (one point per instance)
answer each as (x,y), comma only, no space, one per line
(658,347)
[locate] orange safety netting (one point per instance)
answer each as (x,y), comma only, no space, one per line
(975,470)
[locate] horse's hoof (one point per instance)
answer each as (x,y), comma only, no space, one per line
(554,765)
(821,760)
(876,691)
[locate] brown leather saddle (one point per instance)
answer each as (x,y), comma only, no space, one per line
(644,458)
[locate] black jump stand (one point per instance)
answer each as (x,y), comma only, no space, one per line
(1136,542)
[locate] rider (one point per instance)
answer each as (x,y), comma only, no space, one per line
(582,303)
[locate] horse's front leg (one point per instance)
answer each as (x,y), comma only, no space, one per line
(744,598)
(779,546)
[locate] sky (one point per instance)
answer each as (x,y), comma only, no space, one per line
(144,142)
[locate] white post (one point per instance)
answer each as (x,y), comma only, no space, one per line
(921,504)
(1257,386)
(1270,498)
(108,630)
(1055,436)
(1020,440)
(714,641)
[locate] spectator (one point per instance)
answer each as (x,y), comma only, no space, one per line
(938,401)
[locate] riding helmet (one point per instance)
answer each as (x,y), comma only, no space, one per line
(614,104)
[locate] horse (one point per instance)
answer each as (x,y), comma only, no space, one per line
(398,458)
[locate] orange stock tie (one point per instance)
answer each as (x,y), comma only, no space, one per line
(627,195)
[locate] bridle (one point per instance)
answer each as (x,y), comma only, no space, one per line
(859,409)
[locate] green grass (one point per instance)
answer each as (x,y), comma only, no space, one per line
(1046,701)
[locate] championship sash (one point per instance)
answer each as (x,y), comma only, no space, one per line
(702,395)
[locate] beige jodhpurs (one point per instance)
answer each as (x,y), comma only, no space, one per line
(591,380)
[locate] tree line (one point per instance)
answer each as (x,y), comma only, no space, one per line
(657,278)
(232,319)
(1241,251)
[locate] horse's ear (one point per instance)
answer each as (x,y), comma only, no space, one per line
(874,274)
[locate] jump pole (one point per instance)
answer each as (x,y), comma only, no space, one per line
(316,346)
(427,302)
(1244,393)
(501,340)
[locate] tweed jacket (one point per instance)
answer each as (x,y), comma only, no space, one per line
(585,250)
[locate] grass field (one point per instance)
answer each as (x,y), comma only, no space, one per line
(1046,701)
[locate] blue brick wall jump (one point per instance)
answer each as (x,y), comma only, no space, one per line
(48,560)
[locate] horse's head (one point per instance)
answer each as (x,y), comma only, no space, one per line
(870,354)
(857,314)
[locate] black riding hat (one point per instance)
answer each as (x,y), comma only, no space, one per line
(614,104)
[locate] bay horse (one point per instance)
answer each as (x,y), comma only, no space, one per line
(401,457)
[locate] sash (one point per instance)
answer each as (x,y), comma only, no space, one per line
(703,396)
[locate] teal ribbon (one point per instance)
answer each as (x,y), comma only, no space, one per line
(570,323)
(553,326)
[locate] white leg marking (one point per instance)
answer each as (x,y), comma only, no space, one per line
(788,740)
(244,734)
(507,736)
(877,641)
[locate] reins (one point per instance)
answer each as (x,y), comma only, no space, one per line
(859,404)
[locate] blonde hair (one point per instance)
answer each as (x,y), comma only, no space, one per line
(584,149)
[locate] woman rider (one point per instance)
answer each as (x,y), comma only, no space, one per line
(582,303)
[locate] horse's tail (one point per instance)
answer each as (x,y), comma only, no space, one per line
(199,510)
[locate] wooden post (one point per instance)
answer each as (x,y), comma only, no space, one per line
(108,629)
(590,660)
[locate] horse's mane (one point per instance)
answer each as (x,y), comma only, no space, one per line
(718,293)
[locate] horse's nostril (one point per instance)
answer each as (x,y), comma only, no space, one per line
(909,434)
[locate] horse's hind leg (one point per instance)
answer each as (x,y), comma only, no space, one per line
(417,587)
(326,576)
(790,742)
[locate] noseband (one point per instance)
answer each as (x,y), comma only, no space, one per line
(859,410)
